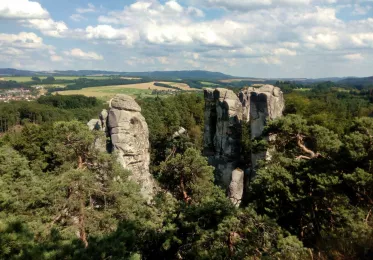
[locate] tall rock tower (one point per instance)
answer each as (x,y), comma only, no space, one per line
(128,136)
(225,115)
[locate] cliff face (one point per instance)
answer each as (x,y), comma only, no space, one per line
(128,136)
(225,115)
(260,105)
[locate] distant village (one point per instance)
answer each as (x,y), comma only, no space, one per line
(20,94)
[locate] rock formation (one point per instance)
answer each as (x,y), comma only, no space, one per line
(225,115)
(236,187)
(128,136)
(260,105)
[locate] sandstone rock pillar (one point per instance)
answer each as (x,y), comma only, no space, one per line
(225,115)
(222,131)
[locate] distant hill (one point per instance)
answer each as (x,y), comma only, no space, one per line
(15,72)
(186,74)
(357,82)
(190,75)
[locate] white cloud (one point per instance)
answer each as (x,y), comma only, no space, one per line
(77,17)
(193,11)
(174,6)
(22,40)
(79,54)
(56,58)
(22,49)
(47,26)
(353,57)
(361,10)
(256,32)
(12,51)
(362,39)
(270,60)
(22,9)
(248,5)
(284,52)
(31,14)
(90,9)
(324,40)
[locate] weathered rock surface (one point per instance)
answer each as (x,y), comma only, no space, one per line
(225,115)
(128,133)
(260,105)
(94,124)
(236,187)
(179,133)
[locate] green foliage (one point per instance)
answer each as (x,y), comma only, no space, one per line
(61,198)
(185,176)
(47,110)
(165,116)
(69,102)
(318,185)
(36,79)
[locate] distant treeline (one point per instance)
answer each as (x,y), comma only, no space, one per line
(12,84)
(158,84)
(69,102)
(48,109)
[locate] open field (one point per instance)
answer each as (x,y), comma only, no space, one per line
(130,78)
(237,80)
(209,83)
(28,79)
(107,92)
(181,86)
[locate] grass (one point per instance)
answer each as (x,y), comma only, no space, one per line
(209,83)
(28,79)
(107,92)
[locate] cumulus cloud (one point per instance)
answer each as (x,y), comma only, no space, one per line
(90,9)
(79,54)
(77,17)
(361,10)
(47,26)
(22,9)
(31,14)
(23,48)
(354,57)
(284,52)
(23,40)
(172,34)
(248,5)
(362,39)
(56,58)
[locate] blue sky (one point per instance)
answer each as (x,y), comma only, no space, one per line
(256,38)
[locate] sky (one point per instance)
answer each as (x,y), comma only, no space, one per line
(252,38)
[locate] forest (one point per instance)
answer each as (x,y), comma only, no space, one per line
(319,207)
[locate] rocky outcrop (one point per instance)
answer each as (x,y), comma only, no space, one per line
(260,105)
(236,187)
(128,136)
(225,115)
(222,137)
(94,124)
